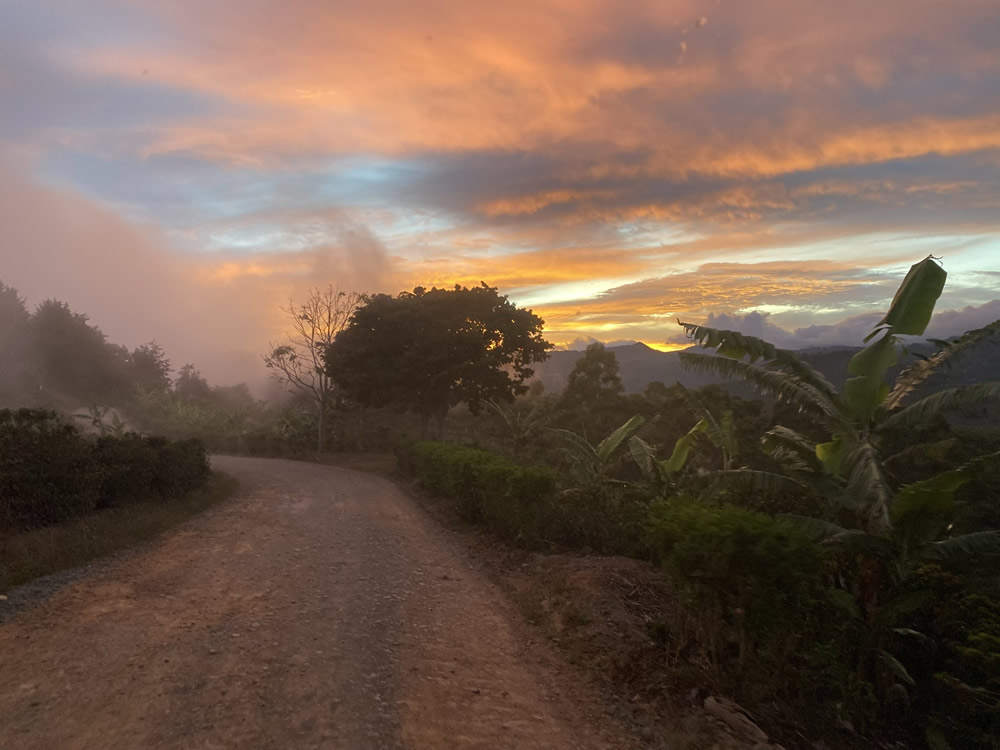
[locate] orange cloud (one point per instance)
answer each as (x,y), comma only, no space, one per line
(530,204)
(528,269)
(546,147)
(307,78)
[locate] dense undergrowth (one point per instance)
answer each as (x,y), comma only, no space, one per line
(766,614)
(67,498)
(528,505)
(50,472)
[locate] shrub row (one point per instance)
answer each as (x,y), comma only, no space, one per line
(759,611)
(50,472)
(758,604)
(511,500)
(524,504)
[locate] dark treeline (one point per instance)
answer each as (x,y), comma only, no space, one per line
(54,358)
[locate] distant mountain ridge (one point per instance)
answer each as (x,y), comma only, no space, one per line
(640,365)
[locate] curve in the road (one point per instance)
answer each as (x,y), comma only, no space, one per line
(320,609)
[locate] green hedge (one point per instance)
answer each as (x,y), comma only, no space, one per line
(50,472)
(523,503)
(759,607)
(603,516)
(514,501)
(47,470)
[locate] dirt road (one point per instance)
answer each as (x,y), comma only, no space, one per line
(320,609)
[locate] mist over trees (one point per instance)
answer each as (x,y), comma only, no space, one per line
(55,358)
(15,372)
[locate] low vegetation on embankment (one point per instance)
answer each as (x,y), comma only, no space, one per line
(67,498)
(754,607)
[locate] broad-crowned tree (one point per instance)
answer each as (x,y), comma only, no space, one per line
(74,359)
(429,350)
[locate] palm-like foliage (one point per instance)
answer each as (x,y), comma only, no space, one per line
(919,530)
(520,424)
(857,417)
(720,432)
(593,462)
(662,474)
(899,529)
(919,534)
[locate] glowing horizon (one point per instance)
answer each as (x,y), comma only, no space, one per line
(612,167)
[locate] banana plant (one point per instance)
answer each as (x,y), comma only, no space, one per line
(921,514)
(857,417)
(720,432)
(591,462)
(520,424)
(662,474)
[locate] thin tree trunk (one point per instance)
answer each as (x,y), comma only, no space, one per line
(321,437)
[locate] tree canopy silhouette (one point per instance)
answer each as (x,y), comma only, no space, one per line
(429,350)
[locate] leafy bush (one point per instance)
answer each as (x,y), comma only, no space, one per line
(759,612)
(135,467)
(50,473)
(128,466)
(512,500)
(181,465)
(607,517)
(521,503)
(47,472)
(957,661)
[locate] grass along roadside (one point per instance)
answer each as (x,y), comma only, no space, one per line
(29,555)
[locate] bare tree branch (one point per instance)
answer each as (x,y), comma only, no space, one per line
(299,363)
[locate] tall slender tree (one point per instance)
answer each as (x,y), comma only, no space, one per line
(299,363)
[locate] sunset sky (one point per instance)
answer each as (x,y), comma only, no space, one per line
(179,169)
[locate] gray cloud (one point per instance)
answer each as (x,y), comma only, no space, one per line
(849,331)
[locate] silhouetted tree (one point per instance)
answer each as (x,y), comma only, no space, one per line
(427,351)
(594,379)
(299,363)
(149,368)
(74,359)
(592,398)
(191,386)
(15,368)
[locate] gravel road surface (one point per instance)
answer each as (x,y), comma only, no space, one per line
(319,609)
